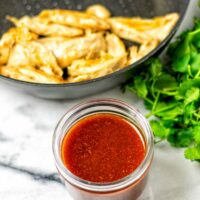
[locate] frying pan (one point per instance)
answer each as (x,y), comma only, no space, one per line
(143,8)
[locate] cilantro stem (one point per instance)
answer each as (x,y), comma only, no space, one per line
(191,34)
(189,71)
(152,88)
(169,93)
(148,100)
(197,115)
(198,73)
(156,101)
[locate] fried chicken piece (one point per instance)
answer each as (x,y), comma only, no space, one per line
(74,19)
(115,46)
(23,34)
(133,55)
(36,55)
(42,27)
(68,50)
(164,26)
(11,37)
(29,74)
(121,27)
(13,73)
(89,69)
(136,53)
(6,42)
(143,30)
(148,47)
(99,11)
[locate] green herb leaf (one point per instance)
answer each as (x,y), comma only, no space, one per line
(195,62)
(181,57)
(191,95)
(193,153)
(189,110)
(186,85)
(165,82)
(181,138)
(196,131)
(159,129)
(155,68)
(140,86)
(195,37)
(168,110)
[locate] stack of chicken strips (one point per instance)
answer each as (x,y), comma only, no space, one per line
(65,46)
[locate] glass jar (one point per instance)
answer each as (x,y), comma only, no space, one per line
(127,188)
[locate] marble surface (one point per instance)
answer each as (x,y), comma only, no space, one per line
(27,170)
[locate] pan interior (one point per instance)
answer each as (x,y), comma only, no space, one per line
(143,8)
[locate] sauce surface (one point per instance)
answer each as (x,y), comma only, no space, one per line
(102,148)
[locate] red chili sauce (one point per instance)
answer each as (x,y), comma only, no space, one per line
(103,148)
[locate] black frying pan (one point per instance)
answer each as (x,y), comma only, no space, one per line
(143,8)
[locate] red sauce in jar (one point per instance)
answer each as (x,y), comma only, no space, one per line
(103,148)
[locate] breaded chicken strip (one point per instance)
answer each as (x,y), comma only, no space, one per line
(136,53)
(143,30)
(115,46)
(74,19)
(36,55)
(68,50)
(10,38)
(42,27)
(99,11)
(29,74)
(81,70)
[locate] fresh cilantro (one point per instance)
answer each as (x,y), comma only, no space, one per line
(160,131)
(193,153)
(141,86)
(181,138)
(171,92)
(191,95)
(197,134)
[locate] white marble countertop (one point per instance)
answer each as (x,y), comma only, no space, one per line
(27,170)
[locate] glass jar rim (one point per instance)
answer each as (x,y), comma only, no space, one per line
(110,186)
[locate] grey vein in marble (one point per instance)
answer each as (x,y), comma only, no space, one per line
(35,175)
